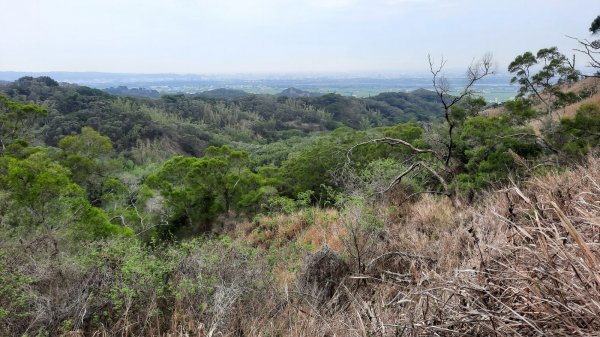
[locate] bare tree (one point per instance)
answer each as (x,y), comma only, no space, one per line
(475,72)
(438,164)
(591,48)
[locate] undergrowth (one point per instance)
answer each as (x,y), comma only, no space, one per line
(523,261)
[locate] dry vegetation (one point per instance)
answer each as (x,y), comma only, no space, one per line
(590,85)
(588,88)
(522,262)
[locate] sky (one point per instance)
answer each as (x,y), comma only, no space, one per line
(377,37)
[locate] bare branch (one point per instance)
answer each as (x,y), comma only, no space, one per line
(422,192)
(475,72)
(591,51)
(438,176)
(422,164)
(397,180)
(440,83)
(390,141)
(398,253)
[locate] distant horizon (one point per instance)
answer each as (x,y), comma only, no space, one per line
(495,88)
(259,75)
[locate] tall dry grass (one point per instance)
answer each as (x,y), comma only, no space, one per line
(521,262)
(524,262)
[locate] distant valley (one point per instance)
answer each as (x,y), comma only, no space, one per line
(493,89)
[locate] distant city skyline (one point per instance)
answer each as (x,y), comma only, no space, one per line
(269,37)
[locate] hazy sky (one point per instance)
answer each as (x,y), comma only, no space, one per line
(279,36)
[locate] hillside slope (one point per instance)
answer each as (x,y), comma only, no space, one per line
(306,236)
(187,124)
(522,262)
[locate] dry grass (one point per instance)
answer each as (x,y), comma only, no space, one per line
(570,110)
(312,226)
(588,85)
(522,262)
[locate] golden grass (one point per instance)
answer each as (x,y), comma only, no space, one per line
(586,85)
(521,262)
(312,226)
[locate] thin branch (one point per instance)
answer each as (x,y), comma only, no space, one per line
(438,176)
(422,164)
(399,177)
(390,141)
(475,72)
(591,53)
(398,253)
(421,192)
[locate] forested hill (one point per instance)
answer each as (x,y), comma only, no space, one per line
(189,123)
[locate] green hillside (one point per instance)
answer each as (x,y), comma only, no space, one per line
(427,213)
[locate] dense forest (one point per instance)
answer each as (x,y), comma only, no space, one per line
(431,212)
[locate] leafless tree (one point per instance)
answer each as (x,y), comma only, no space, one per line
(476,71)
(592,50)
(438,163)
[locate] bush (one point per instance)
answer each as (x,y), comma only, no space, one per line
(321,274)
(578,135)
(15,300)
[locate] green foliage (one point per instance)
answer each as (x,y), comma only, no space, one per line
(285,205)
(410,131)
(281,204)
(128,202)
(566,98)
(577,135)
(519,111)
(595,26)
(14,298)
(198,189)
(141,274)
(313,166)
(360,215)
(493,149)
(377,176)
(88,157)
(89,143)
(88,196)
(16,120)
(555,69)
(188,124)
(363,226)
(41,196)
(189,200)
(520,66)
(467,108)
(399,107)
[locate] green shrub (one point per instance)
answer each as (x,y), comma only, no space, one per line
(15,300)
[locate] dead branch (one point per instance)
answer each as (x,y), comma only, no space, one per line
(390,141)
(592,50)
(475,72)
